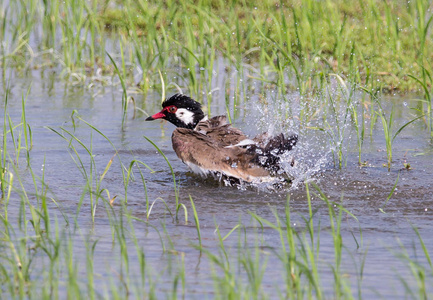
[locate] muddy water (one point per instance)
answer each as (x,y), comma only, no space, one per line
(362,191)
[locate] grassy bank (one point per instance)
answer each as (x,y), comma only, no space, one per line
(382,41)
(294,44)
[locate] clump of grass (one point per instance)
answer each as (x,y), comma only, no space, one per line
(421,271)
(196,220)
(122,81)
(387,124)
(176,190)
(93,180)
(425,82)
(389,136)
(301,259)
(3,164)
(333,109)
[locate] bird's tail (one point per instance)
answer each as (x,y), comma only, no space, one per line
(268,156)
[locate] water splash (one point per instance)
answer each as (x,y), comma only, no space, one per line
(314,151)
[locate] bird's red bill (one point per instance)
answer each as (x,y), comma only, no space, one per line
(159,115)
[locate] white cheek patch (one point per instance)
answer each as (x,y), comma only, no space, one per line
(185,115)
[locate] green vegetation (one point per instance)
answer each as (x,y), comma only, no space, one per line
(378,44)
(336,57)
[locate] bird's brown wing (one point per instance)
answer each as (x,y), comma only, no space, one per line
(212,123)
(220,131)
(193,147)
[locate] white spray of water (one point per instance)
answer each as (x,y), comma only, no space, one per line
(313,152)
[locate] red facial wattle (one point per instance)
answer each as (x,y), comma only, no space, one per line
(163,113)
(171,109)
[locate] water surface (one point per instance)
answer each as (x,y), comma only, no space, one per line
(375,235)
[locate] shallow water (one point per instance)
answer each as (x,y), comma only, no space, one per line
(362,191)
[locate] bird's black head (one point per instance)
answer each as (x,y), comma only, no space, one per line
(180,110)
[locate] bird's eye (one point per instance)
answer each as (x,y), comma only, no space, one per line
(172,109)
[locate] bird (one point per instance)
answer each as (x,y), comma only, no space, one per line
(213,147)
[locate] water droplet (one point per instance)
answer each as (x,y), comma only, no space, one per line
(262,160)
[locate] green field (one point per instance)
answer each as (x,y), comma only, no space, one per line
(378,45)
